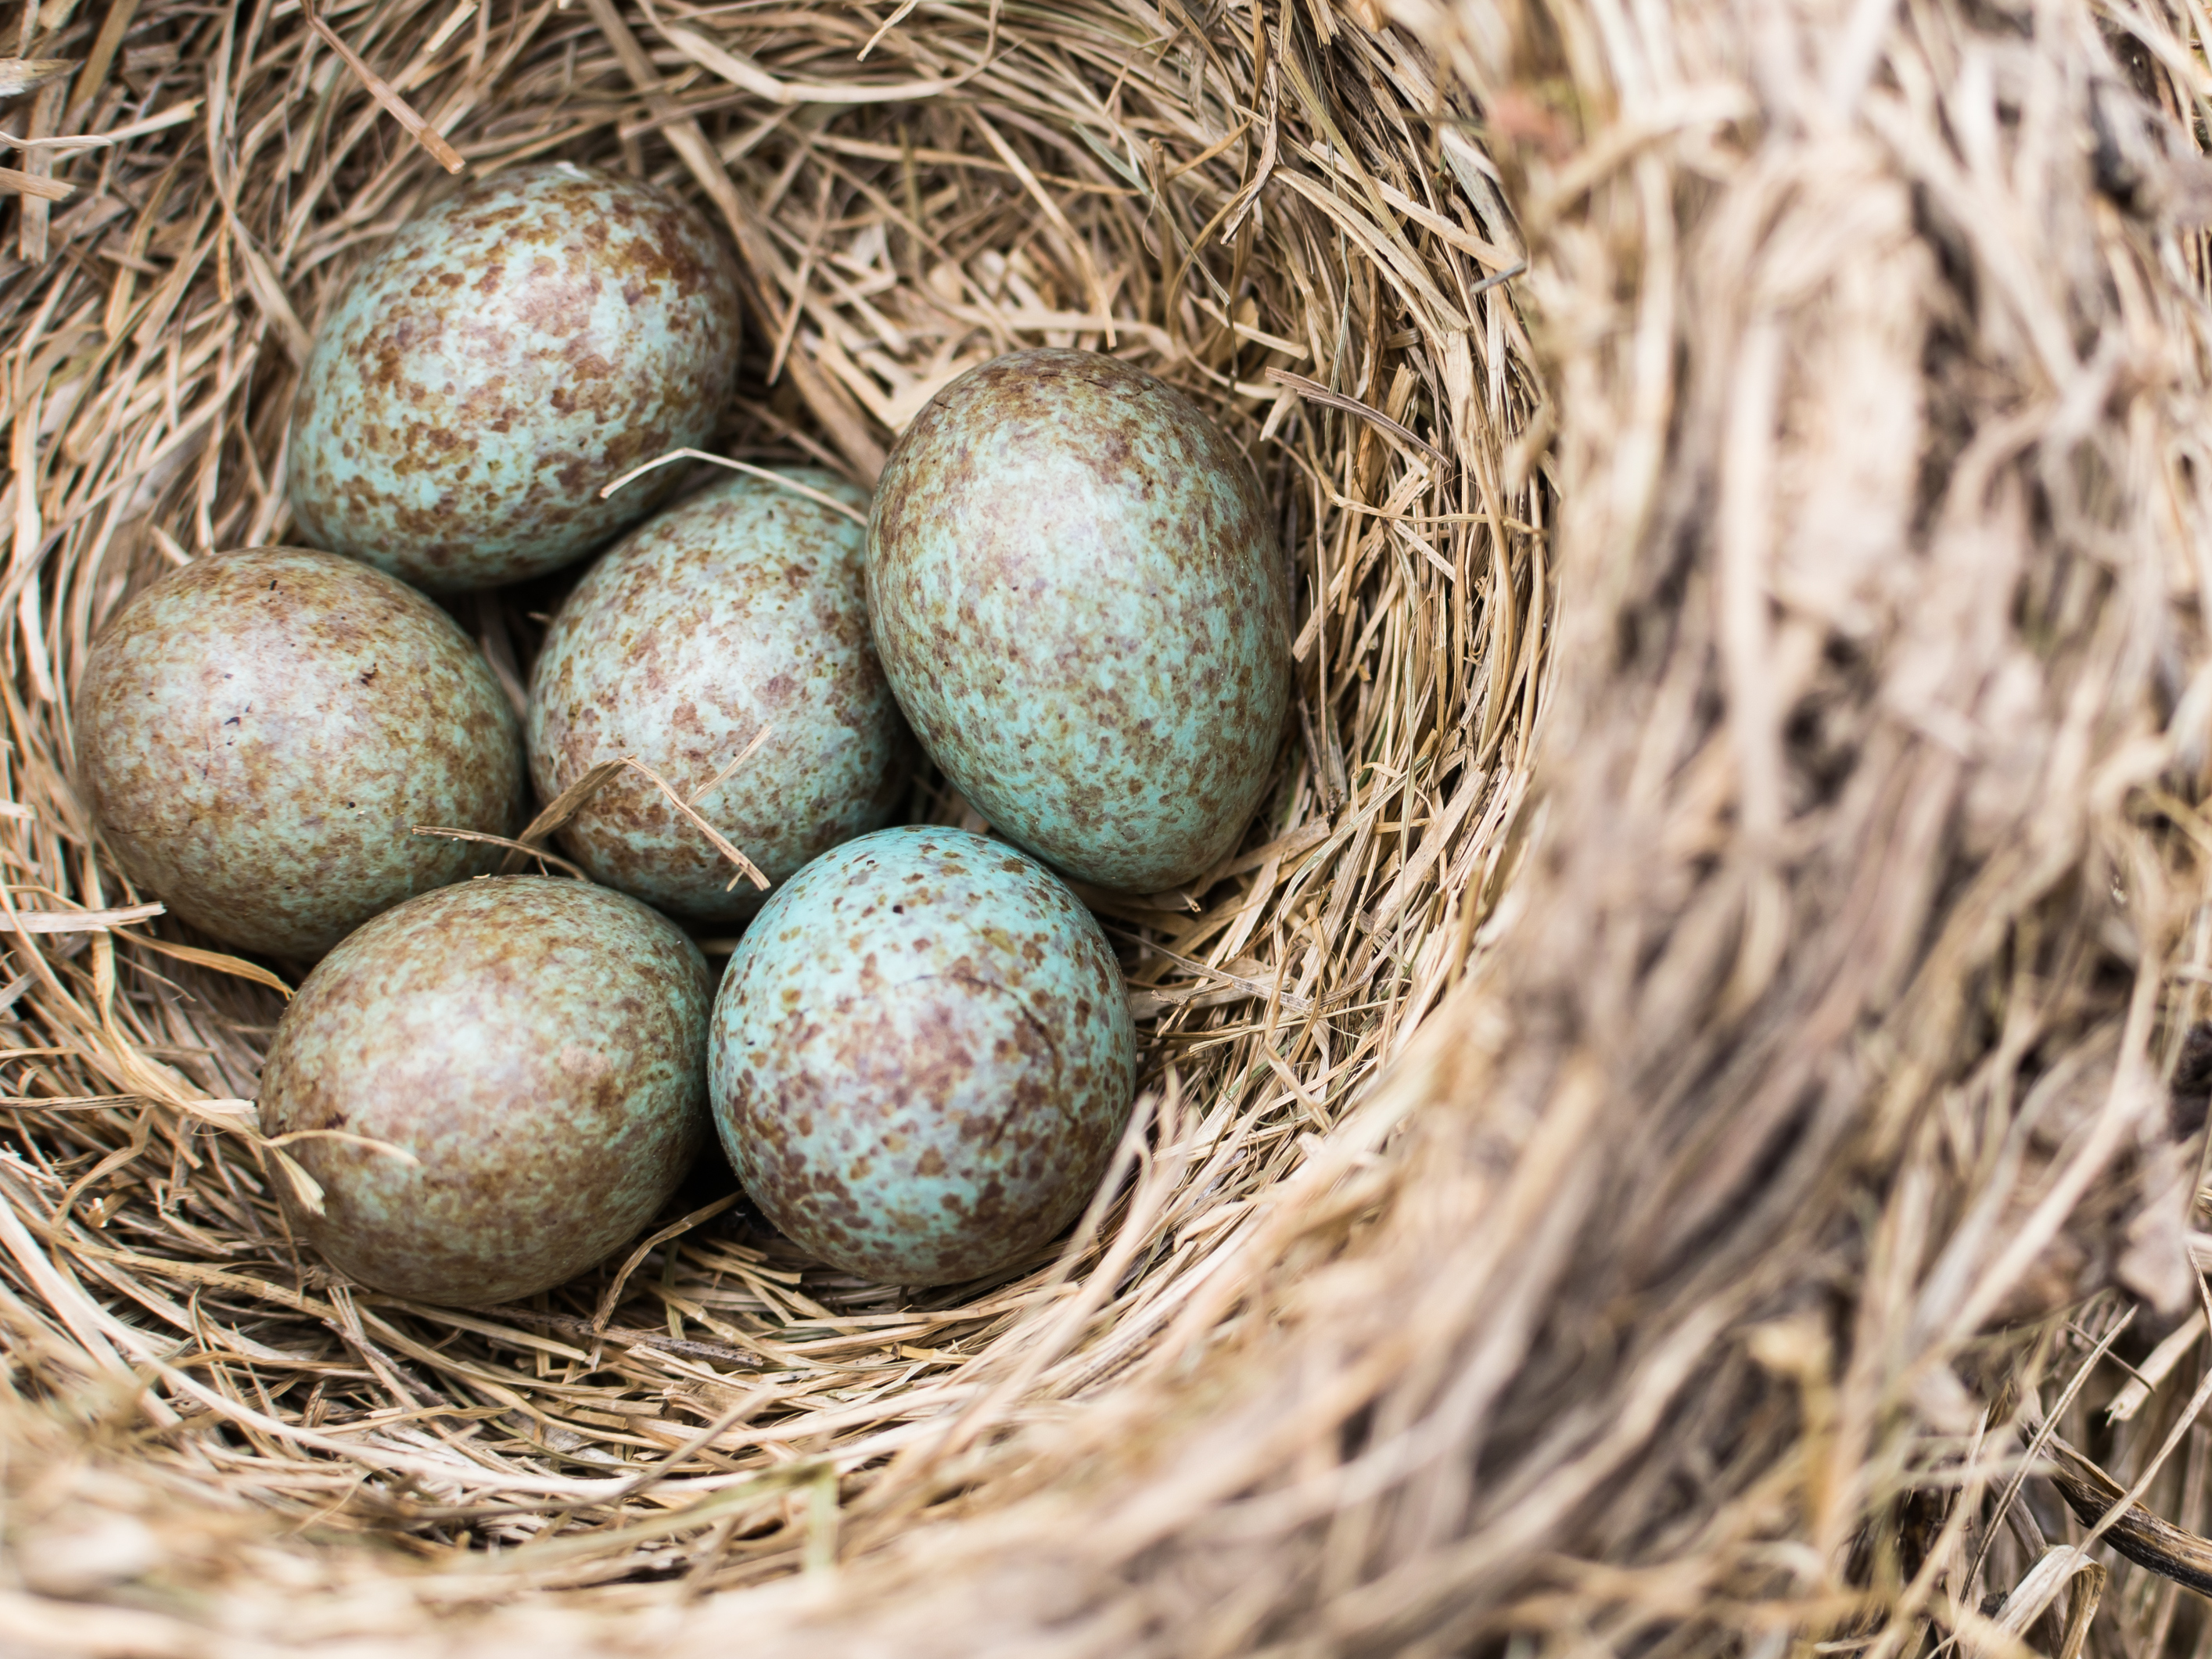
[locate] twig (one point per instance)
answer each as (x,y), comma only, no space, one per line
(1314,392)
(624,1336)
(512,846)
(382,90)
(27,184)
(844,509)
(78,921)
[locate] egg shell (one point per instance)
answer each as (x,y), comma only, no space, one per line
(259,734)
(921,1057)
(507,354)
(537,1046)
(741,609)
(1077,597)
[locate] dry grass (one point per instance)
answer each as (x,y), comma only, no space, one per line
(1773,1231)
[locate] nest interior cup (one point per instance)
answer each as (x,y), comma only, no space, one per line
(1654,1138)
(979,183)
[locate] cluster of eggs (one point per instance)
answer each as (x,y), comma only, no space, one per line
(920,1055)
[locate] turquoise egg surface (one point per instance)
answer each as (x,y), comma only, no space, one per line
(535,1047)
(921,1057)
(738,612)
(1077,597)
(259,734)
(504,356)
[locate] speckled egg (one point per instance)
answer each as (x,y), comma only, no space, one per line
(921,1057)
(741,611)
(259,734)
(534,1050)
(505,355)
(1077,598)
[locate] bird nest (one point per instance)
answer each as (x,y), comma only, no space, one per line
(1664,1138)
(910,197)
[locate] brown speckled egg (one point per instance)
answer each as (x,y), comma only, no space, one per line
(528,1057)
(505,355)
(738,616)
(259,732)
(921,1056)
(1079,599)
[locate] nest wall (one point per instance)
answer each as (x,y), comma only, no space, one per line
(1670,1126)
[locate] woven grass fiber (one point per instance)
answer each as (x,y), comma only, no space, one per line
(1679,1133)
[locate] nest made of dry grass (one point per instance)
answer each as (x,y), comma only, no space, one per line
(1734,1183)
(1277,232)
